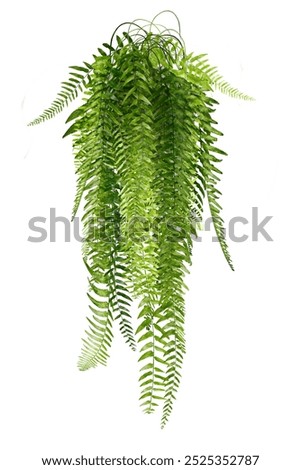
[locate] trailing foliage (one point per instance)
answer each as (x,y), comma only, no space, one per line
(78,79)
(145,153)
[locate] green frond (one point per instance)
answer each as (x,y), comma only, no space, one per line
(225,87)
(152,372)
(174,358)
(176,164)
(93,130)
(199,71)
(208,173)
(99,336)
(215,209)
(123,300)
(78,80)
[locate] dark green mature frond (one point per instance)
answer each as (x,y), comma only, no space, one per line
(146,155)
(122,307)
(121,296)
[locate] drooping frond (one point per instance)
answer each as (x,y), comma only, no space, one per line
(92,129)
(208,173)
(122,300)
(175,162)
(146,154)
(136,169)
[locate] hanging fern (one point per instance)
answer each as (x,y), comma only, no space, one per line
(145,152)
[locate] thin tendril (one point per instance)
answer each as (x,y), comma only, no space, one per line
(123,24)
(173,13)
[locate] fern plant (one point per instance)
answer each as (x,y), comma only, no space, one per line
(144,141)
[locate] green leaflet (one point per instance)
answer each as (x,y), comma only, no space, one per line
(146,157)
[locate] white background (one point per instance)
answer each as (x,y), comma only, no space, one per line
(240,392)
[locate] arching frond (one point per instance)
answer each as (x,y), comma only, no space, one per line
(78,80)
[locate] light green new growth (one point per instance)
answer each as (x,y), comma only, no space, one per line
(144,142)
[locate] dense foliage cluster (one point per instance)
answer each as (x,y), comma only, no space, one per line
(145,150)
